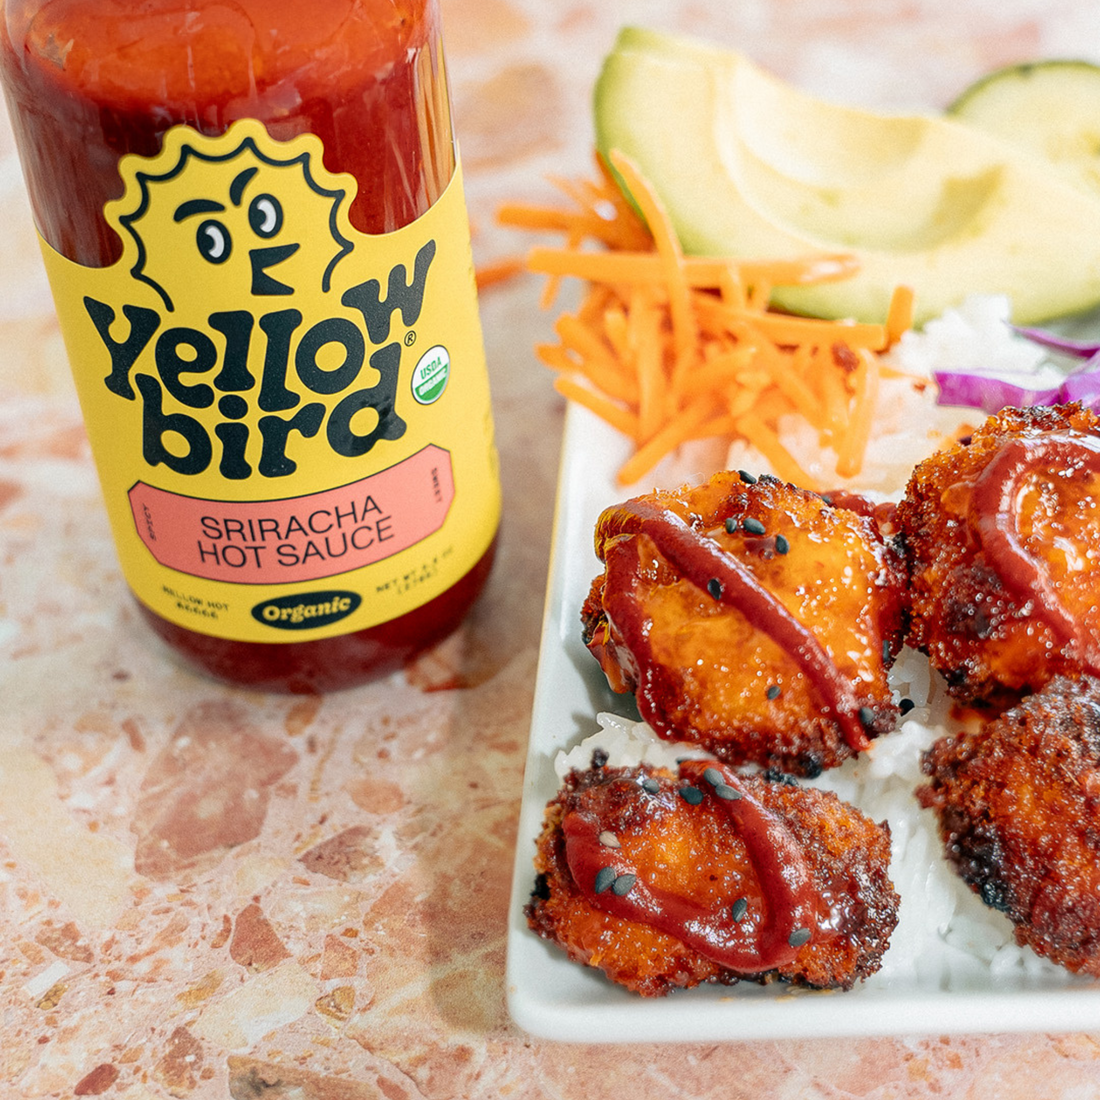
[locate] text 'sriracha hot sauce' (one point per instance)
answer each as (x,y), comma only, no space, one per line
(254,226)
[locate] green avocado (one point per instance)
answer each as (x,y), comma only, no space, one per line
(1051,108)
(748,166)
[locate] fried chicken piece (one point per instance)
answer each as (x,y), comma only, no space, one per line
(750,617)
(666,881)
(1018,804)
(1002,537)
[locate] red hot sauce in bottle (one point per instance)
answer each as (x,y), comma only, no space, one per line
(253,222)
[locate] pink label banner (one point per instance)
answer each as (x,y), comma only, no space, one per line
(298,538)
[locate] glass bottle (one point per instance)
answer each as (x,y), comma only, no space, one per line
(253,223)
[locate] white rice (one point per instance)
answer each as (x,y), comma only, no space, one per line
(946,938)
(975,336)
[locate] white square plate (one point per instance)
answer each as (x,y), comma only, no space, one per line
(554,998)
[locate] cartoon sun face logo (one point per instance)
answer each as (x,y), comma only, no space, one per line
(221,211)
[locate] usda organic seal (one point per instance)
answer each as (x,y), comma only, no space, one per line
(430,375)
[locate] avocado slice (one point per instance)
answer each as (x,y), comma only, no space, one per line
(749,166)
(1049,108)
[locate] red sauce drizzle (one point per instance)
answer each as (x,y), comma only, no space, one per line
(882,514)
(746,947)
(993,517)
(705,564)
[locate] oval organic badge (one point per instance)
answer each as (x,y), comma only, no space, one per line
(430,375)
(306,610)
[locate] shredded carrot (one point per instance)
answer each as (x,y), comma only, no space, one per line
(498,271)
(684,329)
(850,451)
(899,318)
(615,415)
(669,348)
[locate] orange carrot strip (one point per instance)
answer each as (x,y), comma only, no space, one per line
(557,357)
(523,216)
(616,330)
(625,211)
(788,330)
(577,336)
(814,269)
(899,317)
(787,378)
(597,300)
(684,329)
(715,374)
(550,291)
(611,232)
(742,400)
(834,392)
(635,266)
(622,419)
(682,427)
(767,442)
(852,447)
(731,288)
(622,388)
(771,406)
(498,271)
(645,338)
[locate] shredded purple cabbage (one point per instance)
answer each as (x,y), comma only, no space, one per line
(1058,343)
(991,394)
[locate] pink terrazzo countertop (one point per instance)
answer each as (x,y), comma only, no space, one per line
(211,894)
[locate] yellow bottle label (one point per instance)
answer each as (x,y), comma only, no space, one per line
(290,418)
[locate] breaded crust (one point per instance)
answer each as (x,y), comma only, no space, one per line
(706,670)
(990,639)
(1018,804)
(693,851)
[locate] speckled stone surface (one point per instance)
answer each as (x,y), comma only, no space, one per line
(206,893)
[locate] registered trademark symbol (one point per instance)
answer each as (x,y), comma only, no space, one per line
(410,338)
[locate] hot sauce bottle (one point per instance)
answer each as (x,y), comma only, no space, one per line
(253,223)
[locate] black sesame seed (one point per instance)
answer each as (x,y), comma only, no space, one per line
(714,587)
(782,546)
(623,885)
(714,777)
(777,775)
(730,794)
(746,477)
(739,909)
(799,937)
(691,795)
(599,758)
(650,786)
(754,527)
(605,879)
(866,717)
(731,525)
(774,691)
(886,651)
(906,705)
